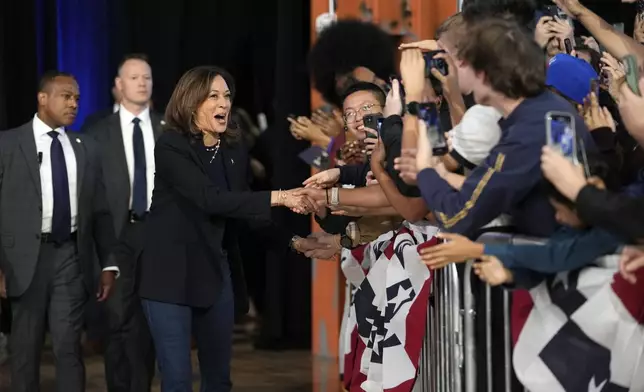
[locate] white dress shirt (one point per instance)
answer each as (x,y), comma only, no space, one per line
(43,146)
(127,127)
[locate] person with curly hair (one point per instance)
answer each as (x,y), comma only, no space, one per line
(337,62)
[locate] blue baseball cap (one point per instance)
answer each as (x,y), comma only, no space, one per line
(570,76)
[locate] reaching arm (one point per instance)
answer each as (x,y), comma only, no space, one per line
(616,43)
(564,252)
(614,212)
(413,209)
(371,196)
(509,173)
(176,167)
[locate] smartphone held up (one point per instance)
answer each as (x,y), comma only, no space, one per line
(429,114)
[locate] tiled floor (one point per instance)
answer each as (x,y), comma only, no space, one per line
(256,371)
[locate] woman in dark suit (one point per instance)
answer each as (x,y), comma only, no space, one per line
(191,277)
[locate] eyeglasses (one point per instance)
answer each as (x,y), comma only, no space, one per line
(350,115)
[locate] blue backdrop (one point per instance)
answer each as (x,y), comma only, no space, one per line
(82,32)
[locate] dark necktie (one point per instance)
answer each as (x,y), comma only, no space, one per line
(140,187)
(62,217)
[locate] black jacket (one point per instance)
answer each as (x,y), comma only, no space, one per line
(192,229)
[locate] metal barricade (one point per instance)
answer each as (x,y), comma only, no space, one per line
(460,351)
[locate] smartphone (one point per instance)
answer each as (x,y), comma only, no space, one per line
(429,114)
(568,45)
(632,74)
(561,134)
(550,10)
(371,122)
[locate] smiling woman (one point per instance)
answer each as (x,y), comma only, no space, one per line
(191,270)
(201,103)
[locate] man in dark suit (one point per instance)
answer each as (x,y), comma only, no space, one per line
(52,212)
(127,140)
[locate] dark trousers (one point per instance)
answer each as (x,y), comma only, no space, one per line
(172,326)
(129,354)
(55,297)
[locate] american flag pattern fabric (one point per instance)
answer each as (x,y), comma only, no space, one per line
(386,321)
(584,332)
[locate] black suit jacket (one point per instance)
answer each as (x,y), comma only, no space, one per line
(21,208)
(109,136)
(192,228)
(95,118)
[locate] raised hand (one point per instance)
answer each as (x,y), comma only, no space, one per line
(567,177)
(406,166)
(572,8)
(631,260)
(457,249)
(542,33)
(492,271)
(412,70)
(371,179)
(426,46)
(304,128)
(330,123)
(323,179)
(393,105)
(597,117)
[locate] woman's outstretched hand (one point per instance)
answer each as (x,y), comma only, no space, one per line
(296,201)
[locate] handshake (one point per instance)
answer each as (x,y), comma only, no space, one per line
(318,245)
(304,200)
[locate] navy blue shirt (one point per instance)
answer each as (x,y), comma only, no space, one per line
(507,182)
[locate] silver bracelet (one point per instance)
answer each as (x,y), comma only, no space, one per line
(335,196)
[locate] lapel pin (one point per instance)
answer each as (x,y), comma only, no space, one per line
(78,140)
(232,161)
(162,122)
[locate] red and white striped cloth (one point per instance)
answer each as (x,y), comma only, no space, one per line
(386,322)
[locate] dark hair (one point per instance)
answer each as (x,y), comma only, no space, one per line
(366,86)
(523,11)
(132,56)
(450,25)
(597,167)
(190,92)
(512,61)
(345,46)
(48,77)
(595,57)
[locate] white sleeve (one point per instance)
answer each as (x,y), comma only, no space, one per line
(476,134)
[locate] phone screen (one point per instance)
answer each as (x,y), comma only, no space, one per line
(561,134)
(429,114)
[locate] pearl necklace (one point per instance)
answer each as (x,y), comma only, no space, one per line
(214,149)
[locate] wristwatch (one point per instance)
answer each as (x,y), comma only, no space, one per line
(346,242)
(413,108)
(293,241)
